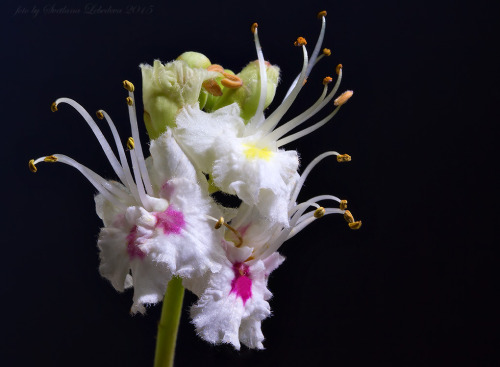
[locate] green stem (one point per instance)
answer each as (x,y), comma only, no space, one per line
(169,324)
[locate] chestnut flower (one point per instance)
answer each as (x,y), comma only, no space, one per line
(243,157)
(233,304)
(155,226)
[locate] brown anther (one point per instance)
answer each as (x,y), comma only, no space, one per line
(130,101)
(219,223)
(53,107)
(343,204)
(327,52)
(322,14)
(215,67)
(301,41)
(50,158)
(212,87)
(327,80)
(99,115)
(231,81)
(343,158)
(338,68)
(348,217)
(318,213)
(343,98)
(355,225)
(254,27)
(128,86)
(130,143)
(32,166)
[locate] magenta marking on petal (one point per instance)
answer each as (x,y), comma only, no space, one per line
(241,284)
(167,190)
(132,246)
(171,221)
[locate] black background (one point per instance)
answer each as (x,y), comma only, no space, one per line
(414,287)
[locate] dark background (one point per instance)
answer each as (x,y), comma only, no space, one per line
(414,287)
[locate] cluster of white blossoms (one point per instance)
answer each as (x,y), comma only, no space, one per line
(208,133)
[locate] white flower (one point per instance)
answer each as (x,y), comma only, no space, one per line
(154,228)
(234,302)
(245,159)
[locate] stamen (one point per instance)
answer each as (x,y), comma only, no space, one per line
(350,220)
(128,86)
(212,87)
(303,177)
(130,143)
(99,115)
(276,116)
(32,166)
(348,217)
(253,28)
(318,213)
(322,14)
(139,154)
(343,158)
(130,101)
(301,41)
(215,67)
(262,73)
(137,174)
(98,134)
(327,52)
(97,181)
(53,106)
(343,98)
(219,223)
(343,204)
(327,80)
(338,68)
(129,181)
(231,81)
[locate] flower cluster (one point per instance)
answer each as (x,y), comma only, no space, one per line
(208,133)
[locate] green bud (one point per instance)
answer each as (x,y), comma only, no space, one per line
(247,96)
(166,89)
(195,59)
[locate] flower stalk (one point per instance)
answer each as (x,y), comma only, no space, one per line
(169,324)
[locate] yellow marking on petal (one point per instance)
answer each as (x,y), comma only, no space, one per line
(50,158)
(128,86)
(322,14)
(252,152)
(32,166)
(343,204)
(215,67)
(343,98)
(212,87)
(318,213)
(301,41)
(53,107)
(253,28)
(250,258)
(130,101)
(327,80)
(130,143)
(327,52)
(99,115)
(355,225)
(343,158)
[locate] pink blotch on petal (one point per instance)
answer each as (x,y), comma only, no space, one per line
(241,285)
(170,220)
(132,246)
